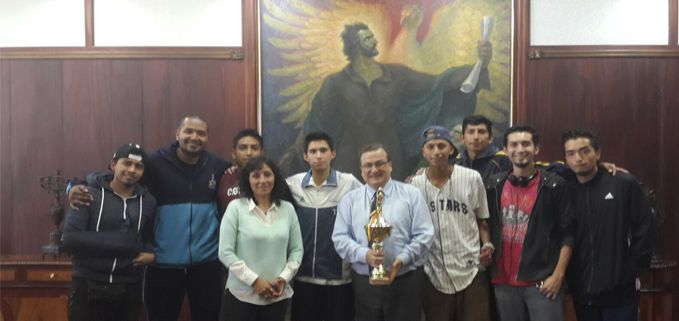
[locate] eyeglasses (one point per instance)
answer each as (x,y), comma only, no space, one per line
(378,165)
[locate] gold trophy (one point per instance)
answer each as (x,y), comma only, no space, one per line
(377,230)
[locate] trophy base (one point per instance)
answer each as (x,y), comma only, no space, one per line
(379,281)
(51,249)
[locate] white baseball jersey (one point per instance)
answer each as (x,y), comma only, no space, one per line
(454,257)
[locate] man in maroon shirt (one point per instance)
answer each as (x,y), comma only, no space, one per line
(533,230)
(246,144)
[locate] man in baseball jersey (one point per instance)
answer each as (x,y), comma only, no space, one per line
(456,287)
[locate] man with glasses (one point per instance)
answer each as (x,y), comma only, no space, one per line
(405,250)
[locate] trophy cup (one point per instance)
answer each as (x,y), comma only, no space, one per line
(54,185)
(377,230)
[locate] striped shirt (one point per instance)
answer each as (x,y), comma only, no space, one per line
(454,208)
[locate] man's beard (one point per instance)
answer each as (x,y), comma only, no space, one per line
(187,152)
(369,53)
(585,172)
(523,165)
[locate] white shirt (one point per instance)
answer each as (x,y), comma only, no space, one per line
(454,208)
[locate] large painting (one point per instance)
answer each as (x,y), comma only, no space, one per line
(379,71)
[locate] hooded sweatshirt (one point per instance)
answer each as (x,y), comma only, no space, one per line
(106,235)
(186,222)
(490,162)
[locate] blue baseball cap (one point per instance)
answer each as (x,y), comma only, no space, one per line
(436,132)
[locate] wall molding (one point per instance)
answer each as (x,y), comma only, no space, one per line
(535,53)
(136,53)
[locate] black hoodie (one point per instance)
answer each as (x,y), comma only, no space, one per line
(106,235)
(614,230)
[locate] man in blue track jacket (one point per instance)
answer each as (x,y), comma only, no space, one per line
(323,283)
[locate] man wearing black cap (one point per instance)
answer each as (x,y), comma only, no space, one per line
(456,287)
(110,240)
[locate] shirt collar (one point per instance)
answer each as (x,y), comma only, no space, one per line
(353,75)
(386,189)
(308,180)
(252,206)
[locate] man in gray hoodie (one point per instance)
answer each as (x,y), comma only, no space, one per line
(110,241)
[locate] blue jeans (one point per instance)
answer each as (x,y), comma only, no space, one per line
(516,303)
(628,312)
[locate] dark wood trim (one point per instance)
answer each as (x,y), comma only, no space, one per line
(89,23)
(121,53)
(602,52)
(8,260)
(521,41)
(251,45)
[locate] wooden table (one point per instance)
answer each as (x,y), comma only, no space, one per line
(33,288)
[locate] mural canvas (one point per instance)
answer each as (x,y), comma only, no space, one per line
(378,71)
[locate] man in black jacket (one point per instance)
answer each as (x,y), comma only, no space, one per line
(614,225)
(532,229)
(110,241)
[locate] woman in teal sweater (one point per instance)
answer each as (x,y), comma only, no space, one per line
(261,244)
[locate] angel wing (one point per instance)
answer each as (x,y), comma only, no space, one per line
(451,41)
(309,39)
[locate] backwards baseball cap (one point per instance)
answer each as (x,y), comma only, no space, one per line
(436,132)
(131,151)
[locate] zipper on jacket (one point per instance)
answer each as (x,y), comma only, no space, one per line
(313,258)
(591,241)
(191,207)
(313,262)
(190,219)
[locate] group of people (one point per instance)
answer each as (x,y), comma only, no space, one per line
(488,230)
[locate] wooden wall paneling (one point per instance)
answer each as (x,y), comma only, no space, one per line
(5,159)
(102,110)
(173,89)
(251,62)
(630,102)
(669,154)
(668,189)
(238,114)
(37,149)
(613,97)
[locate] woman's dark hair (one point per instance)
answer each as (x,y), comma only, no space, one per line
(280,191)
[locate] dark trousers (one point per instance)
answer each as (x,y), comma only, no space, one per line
(235,310)
(164,291)
(628,312)
(400,301)
(472,303)
(313,302)
(126,307)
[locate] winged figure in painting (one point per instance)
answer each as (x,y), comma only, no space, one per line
(346,77)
